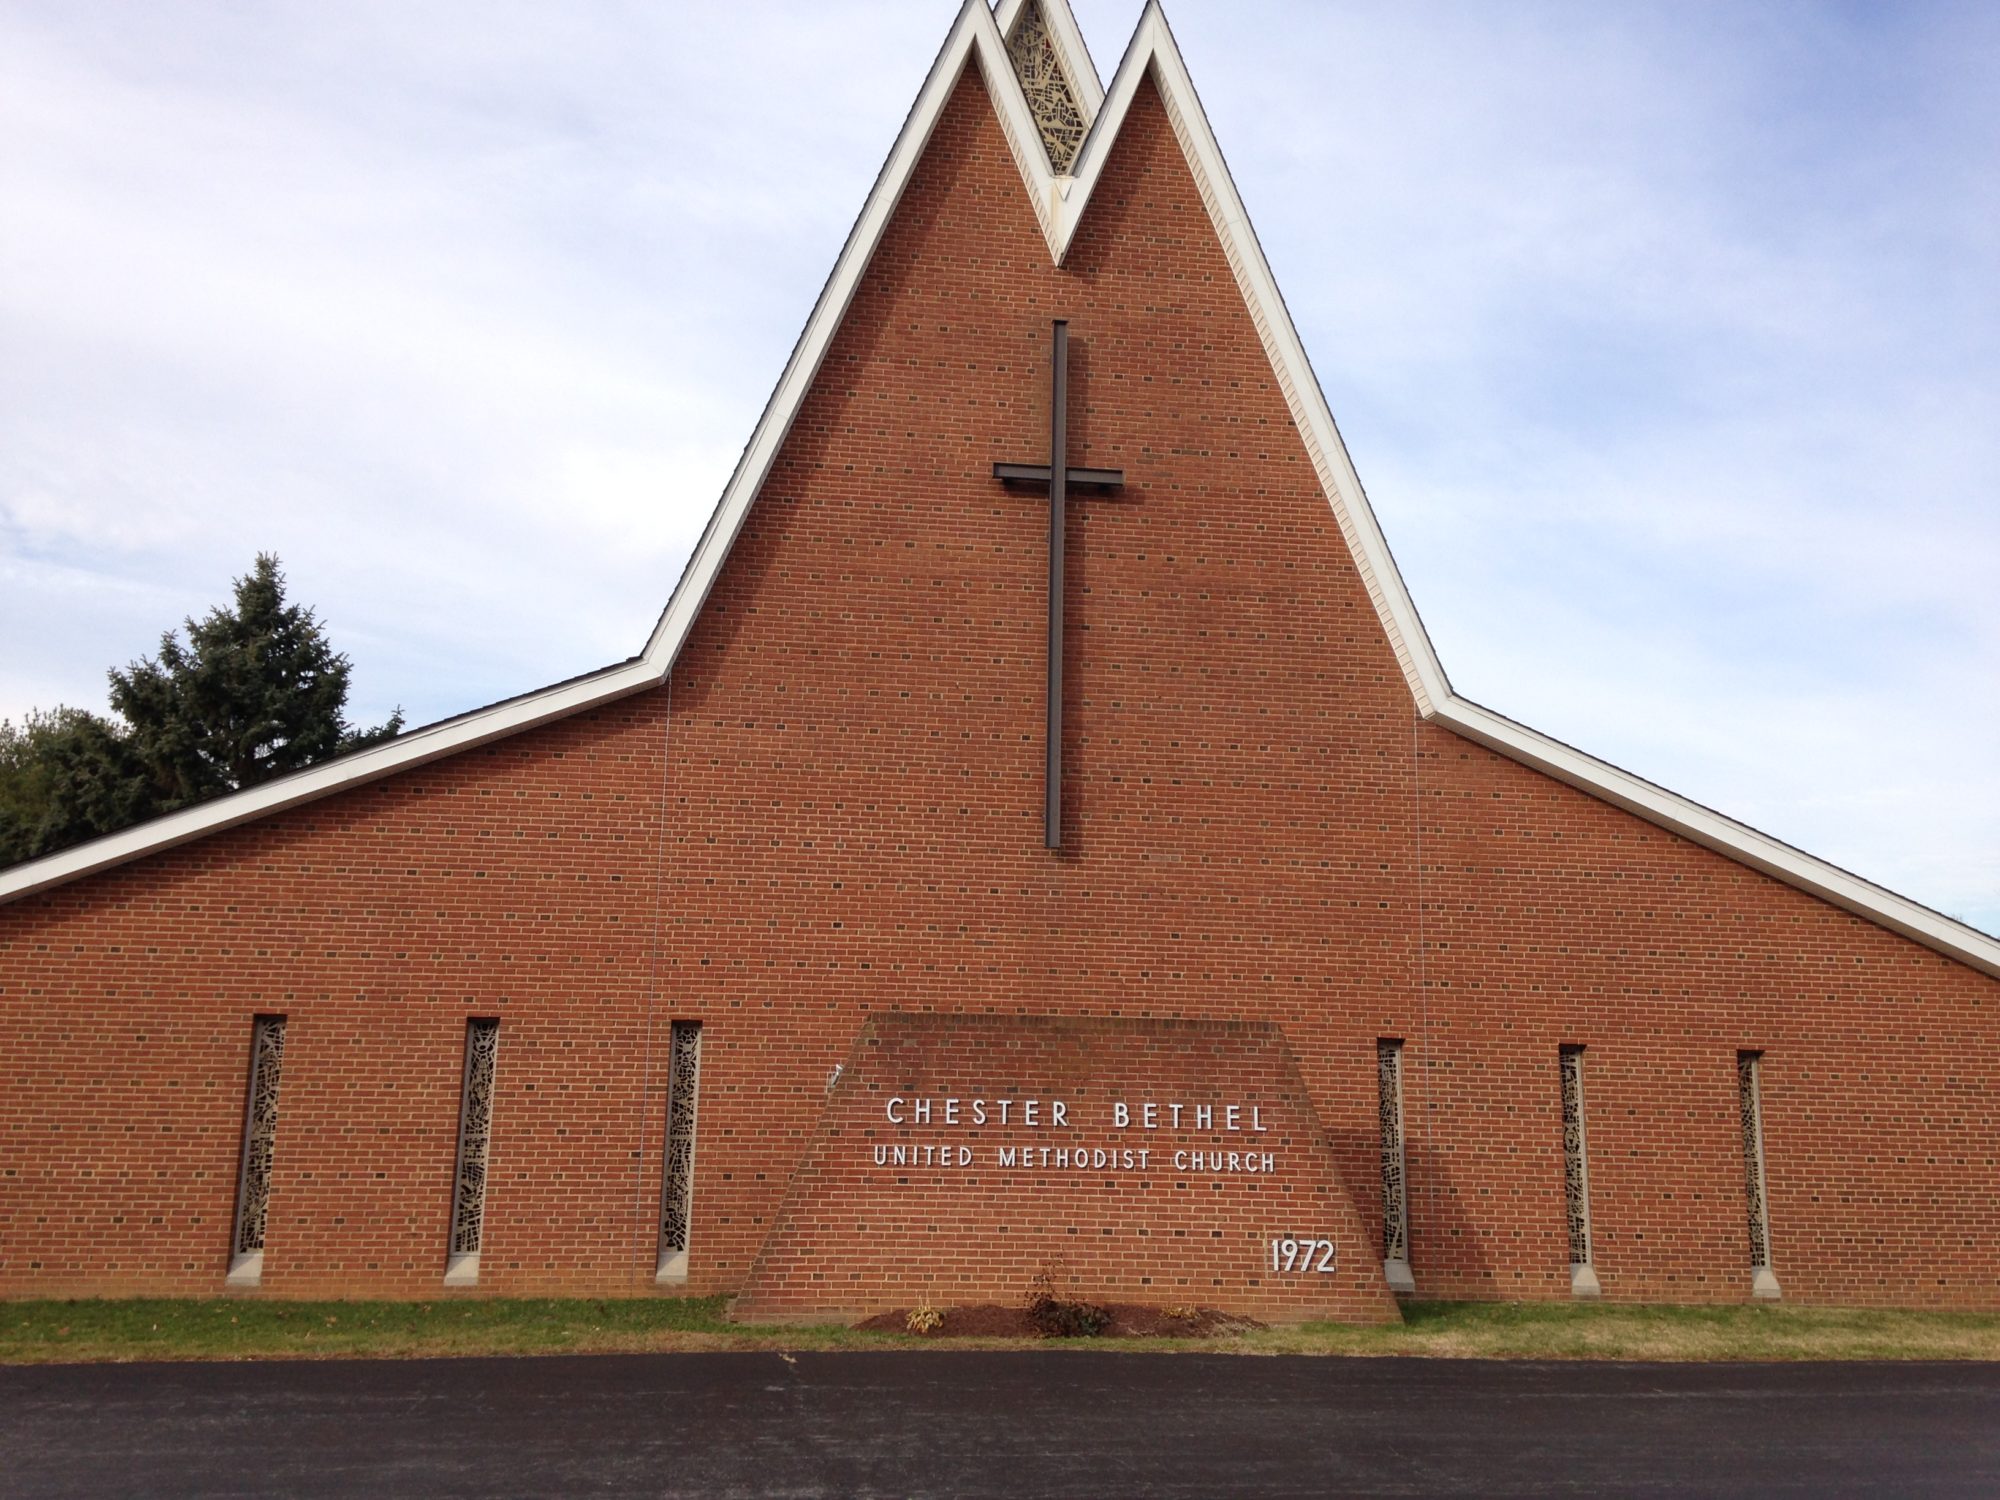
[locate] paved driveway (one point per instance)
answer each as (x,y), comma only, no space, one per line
(1001,1424)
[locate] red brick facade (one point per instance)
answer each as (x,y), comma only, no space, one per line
(832,812)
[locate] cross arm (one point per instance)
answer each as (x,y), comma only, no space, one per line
(1038,474)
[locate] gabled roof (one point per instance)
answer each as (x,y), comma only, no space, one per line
(978,38)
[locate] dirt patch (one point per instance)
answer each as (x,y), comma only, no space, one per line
(1129,1320)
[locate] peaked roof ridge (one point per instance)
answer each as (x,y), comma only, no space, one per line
(1060,201)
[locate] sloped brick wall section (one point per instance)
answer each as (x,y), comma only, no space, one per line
(969,1159)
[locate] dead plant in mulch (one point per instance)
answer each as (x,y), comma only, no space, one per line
(1051,1309)
(1054,1312)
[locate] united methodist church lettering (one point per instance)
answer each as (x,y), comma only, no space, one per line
(1080,1159)
(735,967)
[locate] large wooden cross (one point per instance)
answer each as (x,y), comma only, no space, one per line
(1056,477)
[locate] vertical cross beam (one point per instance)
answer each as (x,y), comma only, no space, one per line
(1057,476)
(1058,500)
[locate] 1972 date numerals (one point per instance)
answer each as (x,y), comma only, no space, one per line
(1302,1255)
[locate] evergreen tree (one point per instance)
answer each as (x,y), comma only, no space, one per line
(65,776)
(254,692)
(257,691)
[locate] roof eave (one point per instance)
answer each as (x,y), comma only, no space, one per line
(418,747)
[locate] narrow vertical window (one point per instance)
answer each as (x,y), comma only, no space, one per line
(677,1184)
(475,1133)
(1576,1175)
(1750,1115)
(1395,1177)
(260,1135)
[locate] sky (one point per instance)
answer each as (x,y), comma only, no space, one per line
(1665,338)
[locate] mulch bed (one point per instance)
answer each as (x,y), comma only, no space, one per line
(1129,1320)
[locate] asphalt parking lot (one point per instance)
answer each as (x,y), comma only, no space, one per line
(1018,1425)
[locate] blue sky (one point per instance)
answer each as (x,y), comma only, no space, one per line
(1666,338)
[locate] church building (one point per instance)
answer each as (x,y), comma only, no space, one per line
(1038,839)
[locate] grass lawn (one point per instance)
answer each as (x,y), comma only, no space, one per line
(238,1328)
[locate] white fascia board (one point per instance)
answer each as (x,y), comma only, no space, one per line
(1088,167)
(400,754)
(1737,841)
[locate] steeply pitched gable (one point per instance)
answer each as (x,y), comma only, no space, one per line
(1061,202)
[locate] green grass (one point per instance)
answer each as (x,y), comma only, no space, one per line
(241,1328)
(1515,1330)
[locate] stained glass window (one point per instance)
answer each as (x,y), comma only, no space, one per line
(260,1135)
(677,1187)
(475,1133)
(1051,100)
(1395,1183)
(1576,1165)
(1750,1119)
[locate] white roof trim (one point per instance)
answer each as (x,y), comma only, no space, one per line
(976,37)
(1704,826)
(432,742)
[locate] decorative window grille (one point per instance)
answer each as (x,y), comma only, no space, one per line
(677,1184)
(1750,1116)
(1051,100)
(1576,1174)
(475,1133)
(260,1134)
(1395,1178)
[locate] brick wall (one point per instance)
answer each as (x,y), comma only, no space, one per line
(833,812)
